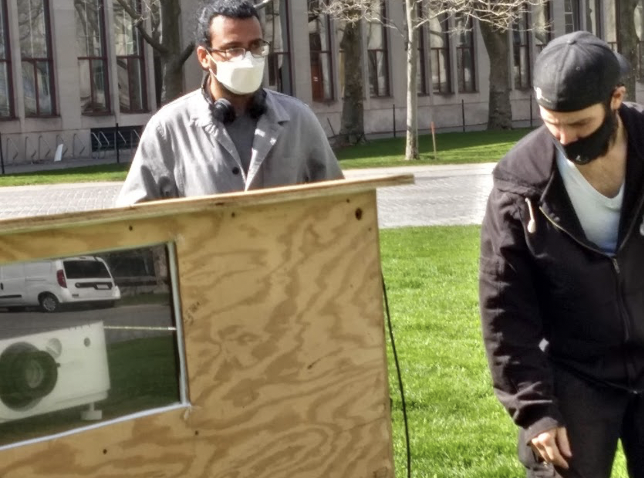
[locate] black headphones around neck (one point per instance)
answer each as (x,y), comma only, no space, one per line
(223,110)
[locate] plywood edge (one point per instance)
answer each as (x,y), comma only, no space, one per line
(171,207)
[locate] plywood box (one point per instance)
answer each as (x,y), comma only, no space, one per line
(282,337)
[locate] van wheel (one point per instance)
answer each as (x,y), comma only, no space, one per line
(49,303)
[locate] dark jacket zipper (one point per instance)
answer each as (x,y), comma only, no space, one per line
(622,309)
(624,314)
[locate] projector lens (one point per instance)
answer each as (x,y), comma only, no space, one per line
(26,375)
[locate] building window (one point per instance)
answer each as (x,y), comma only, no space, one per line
(35,55)
(612,23)
(521,53)
(130,65)
(6,91)
(92,61)
(542,24)
(593,18)
(465,54)
(639,30)
(439,51)
(378,53)
(276,31)
(571,15)
(320,52)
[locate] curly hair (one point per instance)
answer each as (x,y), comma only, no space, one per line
(228,8)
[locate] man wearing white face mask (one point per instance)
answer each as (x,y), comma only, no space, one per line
(242,71)
(230,134)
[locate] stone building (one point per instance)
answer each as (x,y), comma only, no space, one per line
(71,70)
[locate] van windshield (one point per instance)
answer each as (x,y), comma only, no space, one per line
(85,269)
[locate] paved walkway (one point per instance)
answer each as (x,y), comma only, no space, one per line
(441,195)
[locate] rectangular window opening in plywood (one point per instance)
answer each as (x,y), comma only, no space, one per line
(88,341)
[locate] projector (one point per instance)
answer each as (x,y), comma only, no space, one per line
(53,370)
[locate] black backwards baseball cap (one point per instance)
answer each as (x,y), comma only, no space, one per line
(575,71)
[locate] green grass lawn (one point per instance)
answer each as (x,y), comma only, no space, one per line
(457,427)
(453,148)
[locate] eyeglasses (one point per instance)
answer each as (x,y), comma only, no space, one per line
(259,49)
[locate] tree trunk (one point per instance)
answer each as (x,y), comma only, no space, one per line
(172,69)
(352,125)
(497,46)
(171,62)
(627,41)
(411,142)
(166,43)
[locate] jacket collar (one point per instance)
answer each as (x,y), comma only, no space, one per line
(556,205)
(200,110)
(528,166)
(269,128)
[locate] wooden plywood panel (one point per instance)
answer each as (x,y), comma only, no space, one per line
(284,341)
(294,318)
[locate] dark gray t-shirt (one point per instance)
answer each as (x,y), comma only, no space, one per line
(242,132)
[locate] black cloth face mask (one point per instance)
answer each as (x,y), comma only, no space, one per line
(585,150)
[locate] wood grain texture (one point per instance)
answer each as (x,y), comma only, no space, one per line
(284,339)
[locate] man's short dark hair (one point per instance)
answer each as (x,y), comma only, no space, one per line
(228,8)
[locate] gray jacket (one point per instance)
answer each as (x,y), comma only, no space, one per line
(184,152)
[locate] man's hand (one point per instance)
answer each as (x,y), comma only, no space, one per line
(553,446)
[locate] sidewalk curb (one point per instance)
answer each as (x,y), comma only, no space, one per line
(437,170)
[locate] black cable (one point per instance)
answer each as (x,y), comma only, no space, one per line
(400,381)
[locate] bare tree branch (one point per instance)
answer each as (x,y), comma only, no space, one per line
(351,11)
(138,23)
(187,51)
(501,14)
(494,16)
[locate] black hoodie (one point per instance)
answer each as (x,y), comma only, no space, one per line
(542,279)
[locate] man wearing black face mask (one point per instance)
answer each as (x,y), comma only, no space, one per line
(561,282)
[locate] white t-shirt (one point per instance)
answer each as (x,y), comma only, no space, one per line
(598,214)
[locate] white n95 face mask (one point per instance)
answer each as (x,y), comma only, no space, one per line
(241,77)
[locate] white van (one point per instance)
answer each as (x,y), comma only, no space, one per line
(48,284)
